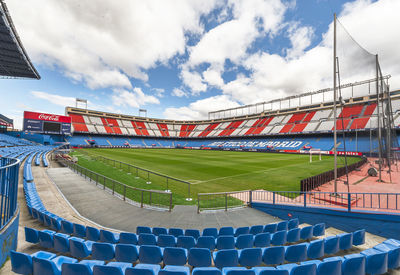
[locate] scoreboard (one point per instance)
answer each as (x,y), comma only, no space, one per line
(47,123)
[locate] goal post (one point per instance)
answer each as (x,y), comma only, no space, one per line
(315,152)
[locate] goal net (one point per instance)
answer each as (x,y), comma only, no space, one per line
(316,152)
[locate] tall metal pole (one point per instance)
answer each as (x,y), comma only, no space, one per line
(334,102)
(379,120)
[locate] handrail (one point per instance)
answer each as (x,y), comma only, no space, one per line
(16,161)
(142,169)
(9,173)
(102,180)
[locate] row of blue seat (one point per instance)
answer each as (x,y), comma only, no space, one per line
(223,231)
(370,261)
(80,248)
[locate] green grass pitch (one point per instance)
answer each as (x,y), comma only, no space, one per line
(209,171)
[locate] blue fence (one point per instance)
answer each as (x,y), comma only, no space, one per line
(9,169)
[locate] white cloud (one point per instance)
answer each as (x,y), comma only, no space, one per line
(194,81)
(159,92)
(178,92)
(134,99)
(102,44)
(199,109)
(55,99)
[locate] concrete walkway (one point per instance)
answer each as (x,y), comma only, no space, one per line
(109,211)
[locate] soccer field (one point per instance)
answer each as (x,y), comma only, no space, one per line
(209,171)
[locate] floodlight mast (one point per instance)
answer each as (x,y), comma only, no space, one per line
(334,104)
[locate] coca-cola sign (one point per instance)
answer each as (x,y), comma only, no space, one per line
(47,117)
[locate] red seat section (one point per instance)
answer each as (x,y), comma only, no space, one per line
(186,129)
(108,128)
(351,111)
(142,128)
(300,126)
(208,130)
(163,129)
(78,123)
(342,126)
(296,118)
(370,109)
(360,123)
(258,126)
(230,128)
(114,125)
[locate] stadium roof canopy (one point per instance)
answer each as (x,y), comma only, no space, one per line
(14,61)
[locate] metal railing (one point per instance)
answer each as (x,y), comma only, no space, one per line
(143,197)
(9,169)
(139,172)
(385,202)
(313,182)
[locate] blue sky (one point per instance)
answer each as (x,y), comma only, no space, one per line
(182,59)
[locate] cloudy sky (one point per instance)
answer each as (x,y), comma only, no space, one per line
(180,59)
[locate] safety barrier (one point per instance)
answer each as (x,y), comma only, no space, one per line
(384,202)
(9,168)
(155,198)
(139,172)
(313,182)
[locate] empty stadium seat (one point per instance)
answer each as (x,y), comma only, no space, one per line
(79,230)
(166,240)
(128,238)
(159,231)
(112,268)
(143,269)
(84,267)
(206,271)
(376,261)
(210,232)
(315,249)
(226,258)
(256,229)
(262,240)
(108,236)
(306,233)
(174,256)
(143,229)
(103,251)
(92,233)
(199,257)
(147,239)
(293,235)
(150,254)
(296,253)
(359,237)
(174,270)
(186,242)
(225,242)
(80,248)
(126,253)
(250,257)
(21,263)
(237,271)
(206,242)
(176,232)
(270,228)
(331,245)
(244,241)
(274,255)
(50,266)
(195,233)
(228,230)
(279,237)
(61,242)
(345,241)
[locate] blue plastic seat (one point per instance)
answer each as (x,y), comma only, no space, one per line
(283,225)
(225,242)
(293,223)
(56,224)
(211,231)
(67,227)
(199,257)
(376,261)
(108,236)
(126,253)
(250,257)
(166,241)
(21,263)
(244,241)
(143,229)
(53,266)
(296,253)
(393,254)
(79,248)
(176,232)
(92,234)
(274,255)
(174,270)
(353,264)
(174,256)
(279,237)
(147,239)
(143,269)
(206,271)
(226,231)
(319,230)
(206,242)
(103,251)
(270,228)
(331,245)
(112,268)
(306,233)
(46,238)
(345,241)
(79,230)
(226,258)
(61,242)
(262,239)
(268,270)
(359,237)
(237,271)
(195,233)
(242,231)
(159,231)
(315,249)
(186,242)
(293,235)
(128,238)
(150,254)
(329,266)
(295,269)
(31,235)
(84,267)
(256,229)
